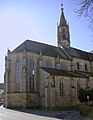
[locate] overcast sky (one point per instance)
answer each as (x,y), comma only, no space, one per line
(37,20)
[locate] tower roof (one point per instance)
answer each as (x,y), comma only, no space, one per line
(62,18)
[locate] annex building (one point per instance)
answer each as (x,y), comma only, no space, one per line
(38,74)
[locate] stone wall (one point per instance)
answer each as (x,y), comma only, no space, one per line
(82,64)
(51,94)
(21,100)
(65,98)
(44,93)
(15,100)
(32,100)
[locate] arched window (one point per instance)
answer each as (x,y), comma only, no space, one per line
(61,88)
(86,67)
(31,74)
(17,75)
(78,66)
(78,86)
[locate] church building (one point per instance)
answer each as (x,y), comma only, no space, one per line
(46,76)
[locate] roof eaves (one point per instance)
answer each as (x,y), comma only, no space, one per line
(57,72)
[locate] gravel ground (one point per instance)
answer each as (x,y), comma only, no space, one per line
(40,114)
(62,115)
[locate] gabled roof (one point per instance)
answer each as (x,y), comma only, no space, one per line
(57,72)
(53,51)
(79,53)
(37,47)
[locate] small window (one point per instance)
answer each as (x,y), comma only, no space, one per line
(78,66)
(86,67)
(63,67)
(48,64)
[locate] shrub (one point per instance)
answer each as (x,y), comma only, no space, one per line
(83,93)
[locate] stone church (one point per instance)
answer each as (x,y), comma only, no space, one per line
(46,76)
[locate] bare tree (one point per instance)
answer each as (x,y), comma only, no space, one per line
(86,10)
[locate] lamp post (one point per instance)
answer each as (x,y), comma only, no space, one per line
(88,99)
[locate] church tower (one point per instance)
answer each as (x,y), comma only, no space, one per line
(63,37)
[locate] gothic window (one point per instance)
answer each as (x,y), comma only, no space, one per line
(86,67)
(78,86)
(64,34)
(31,75)
(17,75)
(63,67)
(48,64)
(53,81)
(77,66)
(61,88)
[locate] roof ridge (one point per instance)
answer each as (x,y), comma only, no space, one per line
(26,41)
(41,43)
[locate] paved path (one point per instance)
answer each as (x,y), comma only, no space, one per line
(26,114)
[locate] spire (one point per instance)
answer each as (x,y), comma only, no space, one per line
(63,31)
(62,18)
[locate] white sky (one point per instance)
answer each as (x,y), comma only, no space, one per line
(37,20)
